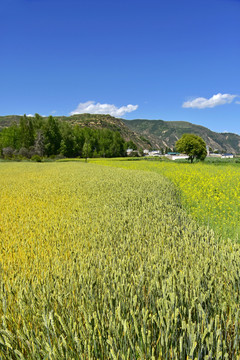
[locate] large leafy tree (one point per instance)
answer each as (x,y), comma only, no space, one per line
(193,146)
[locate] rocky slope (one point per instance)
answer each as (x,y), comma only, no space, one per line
(163,134)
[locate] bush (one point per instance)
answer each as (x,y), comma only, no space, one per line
(36,158)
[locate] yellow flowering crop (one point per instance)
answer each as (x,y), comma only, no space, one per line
(210,193)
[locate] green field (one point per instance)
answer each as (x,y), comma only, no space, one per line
(111,262)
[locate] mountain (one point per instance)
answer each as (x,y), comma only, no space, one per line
(163,134)
(94,121)
(147,134)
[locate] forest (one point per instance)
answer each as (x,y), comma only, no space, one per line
(36,137)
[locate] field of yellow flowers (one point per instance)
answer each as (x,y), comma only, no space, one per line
(103,263)
(210,192)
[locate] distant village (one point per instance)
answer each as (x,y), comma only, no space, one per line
(172,155)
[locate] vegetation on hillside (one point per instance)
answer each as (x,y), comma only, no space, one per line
(146,134)
(103,263)
(92,121)
(47,137)
(165,133)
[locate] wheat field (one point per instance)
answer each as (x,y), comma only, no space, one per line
(105,263)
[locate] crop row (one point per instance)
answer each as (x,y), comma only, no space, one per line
(103,263)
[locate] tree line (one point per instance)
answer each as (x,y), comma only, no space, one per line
(38,136)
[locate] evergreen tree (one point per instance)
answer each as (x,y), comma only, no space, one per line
(26,132)
(117,146)
(68,142)
(79,140)
(52,136)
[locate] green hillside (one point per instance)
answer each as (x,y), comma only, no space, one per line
(93,121)
(156,134)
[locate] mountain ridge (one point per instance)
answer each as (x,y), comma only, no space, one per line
(165,133)
(156,134)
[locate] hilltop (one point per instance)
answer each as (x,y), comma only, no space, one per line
(155,134)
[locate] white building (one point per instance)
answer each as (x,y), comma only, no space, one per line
(179,157)
(176,156)
(129,151)
(214,155)
(154,153)
(227,156)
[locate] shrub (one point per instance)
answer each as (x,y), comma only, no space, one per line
(36,158)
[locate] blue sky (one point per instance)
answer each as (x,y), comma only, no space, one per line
(170,60)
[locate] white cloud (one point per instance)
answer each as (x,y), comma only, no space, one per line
(215,100)
(31,115)
(237,102)
(96,108)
